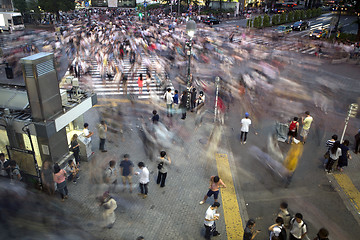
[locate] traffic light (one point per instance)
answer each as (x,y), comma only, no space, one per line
(353,109)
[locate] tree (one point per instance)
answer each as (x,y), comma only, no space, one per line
(256,22)
(297,15)
(21,5)
(309,13)
(290,16)
(54,6)
(266,21)
(302,14)
(283,18)
(275,19)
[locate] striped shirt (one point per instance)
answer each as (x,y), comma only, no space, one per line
(329,144)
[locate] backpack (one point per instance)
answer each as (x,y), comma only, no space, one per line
(105,176)
(160,165)
(302,225)
(282,235)
(292,126)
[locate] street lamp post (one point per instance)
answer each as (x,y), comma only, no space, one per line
(190,30)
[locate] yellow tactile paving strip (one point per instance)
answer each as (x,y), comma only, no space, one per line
(233,222)
(349,189)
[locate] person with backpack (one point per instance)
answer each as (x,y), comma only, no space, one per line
(298,228)
(284,214)
(110,175)
(293,129)
(278,229)
(163,162)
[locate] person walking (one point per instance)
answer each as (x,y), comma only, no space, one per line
(211,216)
(298,228)
(60,179)
(278,230)
(109,205)
(163,162)
(111,176)
(249,231)
(322,234)
(334,154)
(75,148)
(306,122)
(214,188)
(357,142)
(345,155)
(126,171)
(169,99)
(102,130)
(245,126)
(140,83)
(144,179)
(293,129)
(182,104)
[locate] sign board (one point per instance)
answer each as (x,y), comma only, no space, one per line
(112,3)
(145,4)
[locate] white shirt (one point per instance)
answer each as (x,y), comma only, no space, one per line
(298,229)
(168,97)
(144,175)
(245,124)
(210,214)
(336,155)
(275,232)
(86,133)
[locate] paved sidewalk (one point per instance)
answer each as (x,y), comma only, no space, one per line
(172,212)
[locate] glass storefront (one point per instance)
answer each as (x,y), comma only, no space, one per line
(27,146)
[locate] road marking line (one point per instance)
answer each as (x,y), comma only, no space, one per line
(349,189)
(233,222)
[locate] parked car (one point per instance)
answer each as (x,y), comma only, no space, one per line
(318,33)
(282,30)
(301,25)
(211,21)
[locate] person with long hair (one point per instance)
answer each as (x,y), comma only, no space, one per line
(60,179)
(75,148)
(335,153)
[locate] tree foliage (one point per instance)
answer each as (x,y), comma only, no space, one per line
(21,5)
(54,6)
(266,21)
(290,16)
(275,19)
(283,18)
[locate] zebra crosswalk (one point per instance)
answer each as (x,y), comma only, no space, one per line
(105,87)
(282,46)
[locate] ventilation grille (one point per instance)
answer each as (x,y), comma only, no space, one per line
(45,67)
(28,70)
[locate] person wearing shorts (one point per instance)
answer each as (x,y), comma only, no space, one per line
(215,184)
(306,126)
(126,170)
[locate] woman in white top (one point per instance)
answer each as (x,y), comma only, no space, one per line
(335,153)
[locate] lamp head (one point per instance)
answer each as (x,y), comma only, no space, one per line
(191,28)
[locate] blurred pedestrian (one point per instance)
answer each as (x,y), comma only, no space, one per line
(306,122)
(140,83)
(111,176)
(102,130)
(163,162)
(357,142)
(334,154)
(293,130)
(214,188)
(15,171)
(182,106)
(298,228)
(249,231)
(60,179)
(278,229)
(245,127)
(144,179)
(284,214)
(109,205)
(4,166)
(169,99)
(75,148)
(322,234)
(211,216)
(345,155)
(47,178)
(126,171)
(124,83)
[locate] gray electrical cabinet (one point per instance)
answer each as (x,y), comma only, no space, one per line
(42,85)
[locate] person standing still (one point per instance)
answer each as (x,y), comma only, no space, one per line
(87,132)
(102,129)
(144,179)
(169,101)
(210,217)
(75,148)
(111,176)
(193,99)
(163,162)
(245,126)
(182,105)
(306,122)
(298,228)
(126,170)
(249,231)
(214,187)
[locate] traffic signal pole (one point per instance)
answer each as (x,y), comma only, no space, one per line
(351,113)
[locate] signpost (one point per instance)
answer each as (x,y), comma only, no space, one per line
(351,113)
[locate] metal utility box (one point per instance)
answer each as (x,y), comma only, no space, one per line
(42,85)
